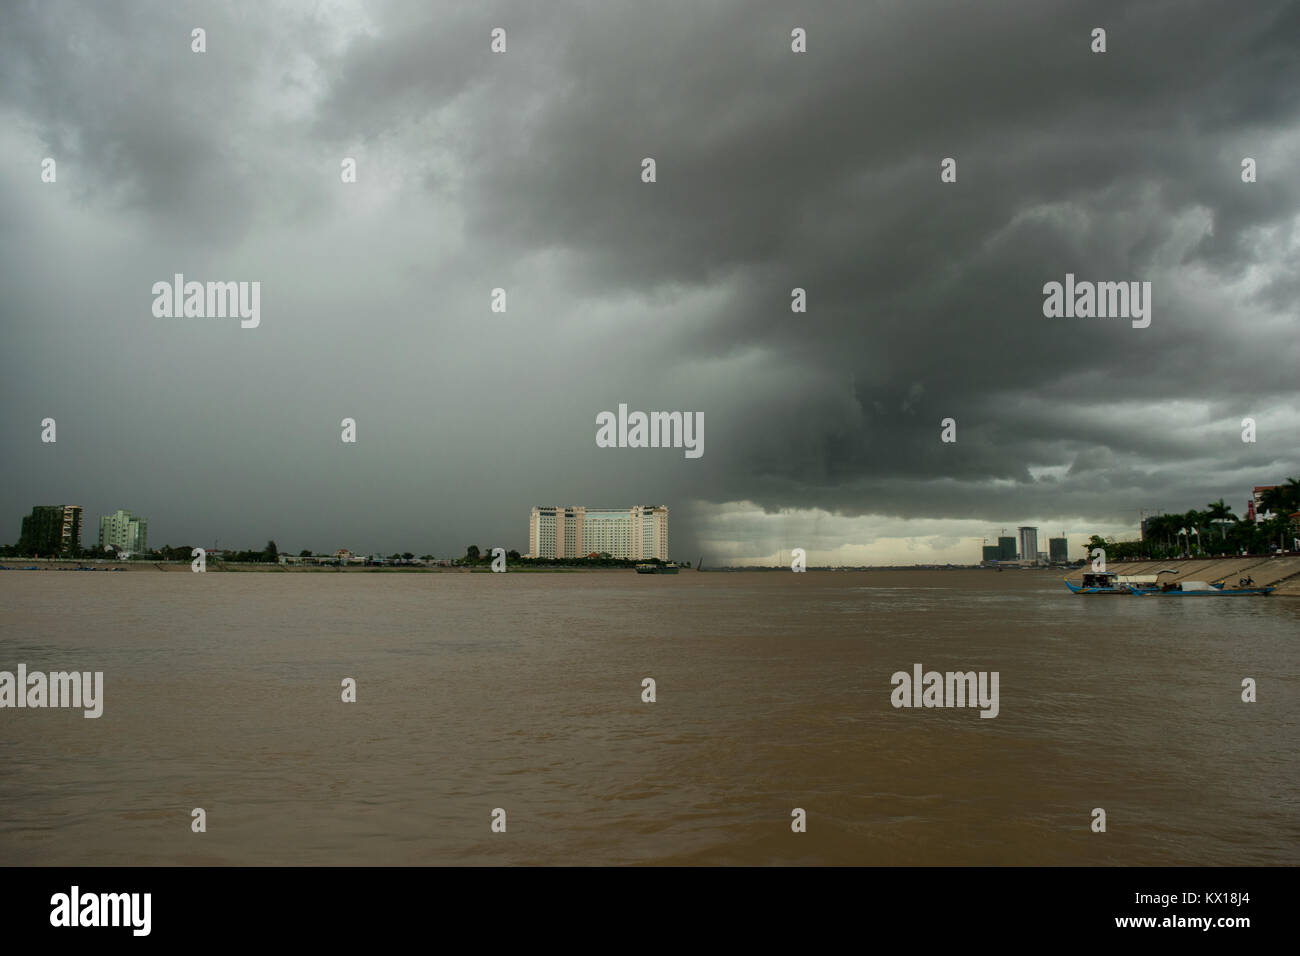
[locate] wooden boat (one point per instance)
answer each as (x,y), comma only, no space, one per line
(1109,582)
(1204,589)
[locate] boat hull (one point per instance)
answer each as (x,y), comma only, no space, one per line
(1213,592)
(1121,589)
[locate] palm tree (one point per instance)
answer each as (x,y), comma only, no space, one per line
(1164,528)
(1275,529)
(1218,511)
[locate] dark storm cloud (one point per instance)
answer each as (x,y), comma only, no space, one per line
(821,171)
(775,170)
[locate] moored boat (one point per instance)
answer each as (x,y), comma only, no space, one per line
(652,568)
(1204,589)
(1109,582)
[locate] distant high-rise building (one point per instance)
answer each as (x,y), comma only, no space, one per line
(992,552)
(1006,548)
(124,531)
(637,534)
(51,529)
(1057,551)
(1028,544)
(1257,495)
(1255,506)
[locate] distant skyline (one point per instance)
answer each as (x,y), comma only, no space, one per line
(521,171)
(931,542)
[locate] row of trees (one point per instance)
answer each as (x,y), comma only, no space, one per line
(1213,531)
(474,555)
(269,555)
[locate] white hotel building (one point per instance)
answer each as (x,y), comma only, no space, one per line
(638,533)
(124,531)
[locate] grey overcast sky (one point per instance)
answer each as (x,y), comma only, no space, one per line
(522,170)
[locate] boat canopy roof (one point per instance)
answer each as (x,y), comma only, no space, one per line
(1138,578)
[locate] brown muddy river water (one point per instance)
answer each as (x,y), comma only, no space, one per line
(524,692)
